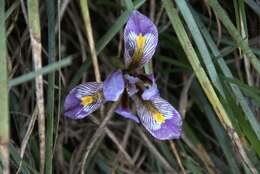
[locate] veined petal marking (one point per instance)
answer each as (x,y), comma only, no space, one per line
(83,100)
(159,118)
(140,41)
(157,115)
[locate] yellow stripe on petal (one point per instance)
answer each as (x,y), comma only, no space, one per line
(158,116)
(139,48)
(87,100)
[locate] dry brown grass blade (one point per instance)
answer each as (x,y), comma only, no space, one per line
(35,35)
(5,156)
(153,149)
(200,151)
(97,134)
(183,104)
(27,136)
(175,152)
(88,28)
(120,147)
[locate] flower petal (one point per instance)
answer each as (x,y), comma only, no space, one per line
(141,38)
(152,90)
(83,100)
(114,86)
(150,93)
(159,118)
(126,113)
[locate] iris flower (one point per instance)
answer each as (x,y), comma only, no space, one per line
(133,89)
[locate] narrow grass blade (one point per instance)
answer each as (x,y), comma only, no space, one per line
(51,85)
(219,132)
(109,35)
(197,147)
(227,72)
(222,15)
(88,28)
(200,43)
(35,35)
(203,79)
(129,5)
(42,71)
(254,6)
(4,106)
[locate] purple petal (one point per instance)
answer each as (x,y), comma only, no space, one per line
(114,86)
(159,118)
(83,100)
(152,91)
(126,113)
(141,38)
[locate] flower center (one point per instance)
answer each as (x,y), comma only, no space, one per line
(90,99)
(139,47)
(87,100)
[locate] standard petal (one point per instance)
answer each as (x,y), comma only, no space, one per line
(159,118)
(114,86)
(126,113)
(141,38)
(83,100)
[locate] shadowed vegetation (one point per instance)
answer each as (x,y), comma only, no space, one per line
(206,65)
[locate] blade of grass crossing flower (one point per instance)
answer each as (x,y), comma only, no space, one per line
(227,72)
(113,30)
(223,17)
(200,43)
(203,79)
(4,108)
(51,84)
(129,5)
(42,71)
(35,35)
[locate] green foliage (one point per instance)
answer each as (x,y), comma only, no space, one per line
(216,42)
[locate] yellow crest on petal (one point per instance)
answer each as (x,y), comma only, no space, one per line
(139,47)
(90,99)
(87,100)
(157,115)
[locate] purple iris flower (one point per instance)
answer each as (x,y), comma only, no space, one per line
(134,90)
